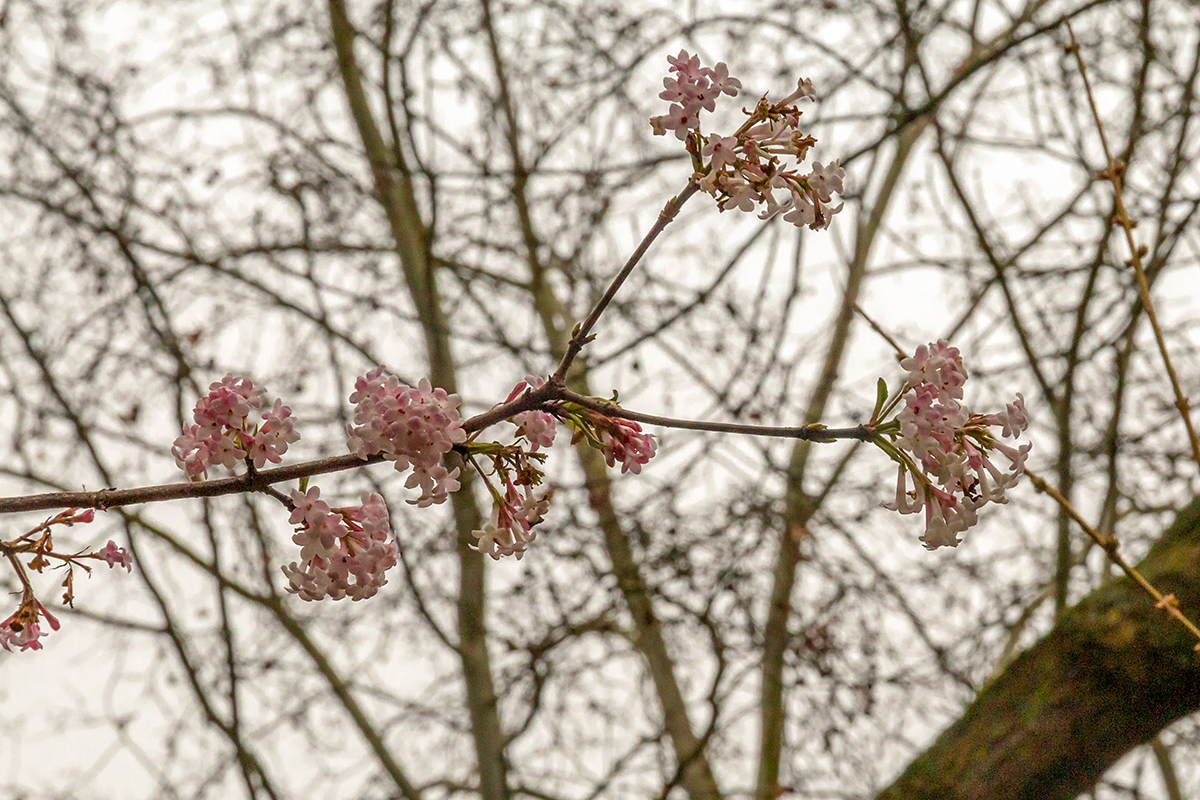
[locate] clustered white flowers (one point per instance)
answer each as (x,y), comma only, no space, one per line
(516,508)
(514,515)
(223,433)
(947,449)
(344,552)
(748,169)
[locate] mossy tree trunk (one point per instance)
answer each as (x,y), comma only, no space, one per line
(1111,674)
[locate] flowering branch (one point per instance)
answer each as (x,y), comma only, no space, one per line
(546,397)
(346,551)
(741,171)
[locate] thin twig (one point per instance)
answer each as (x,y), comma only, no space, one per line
(581,335)
(1113,172)
(1109,545)
(811,433)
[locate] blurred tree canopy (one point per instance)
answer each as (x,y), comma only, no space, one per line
(300,192)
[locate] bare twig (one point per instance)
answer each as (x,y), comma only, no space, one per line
(1113,173)
(581,335)
(1109,545)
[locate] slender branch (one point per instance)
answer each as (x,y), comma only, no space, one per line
(581,334)
(1162,756)
(810,433)
(547,397)
(1109,545)
(1113,172)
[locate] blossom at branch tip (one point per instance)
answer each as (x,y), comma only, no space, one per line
(410,426)
(344,552)
(223,435)
(947,450)
(693,89)
(747,170)
(624,440)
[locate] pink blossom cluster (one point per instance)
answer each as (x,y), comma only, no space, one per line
(412,427)
(694,88)
(344,552)
(22,629)
(948,449)
(746,170)
(624,440)
(514,516)
(536,427)
(223,434)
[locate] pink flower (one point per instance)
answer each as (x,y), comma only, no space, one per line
(511,528)
(948,450)
(804,88)
(539,427)
(345,552)
(274,436)
(74,515)
(694,88)
(22,629)
(719,78)
(15,634)
(623,440)
(222,434)
(720,150)
(803,211)
(744,171)
(436,484)
(826,181)
(116,556)
(688,66)
(410,426)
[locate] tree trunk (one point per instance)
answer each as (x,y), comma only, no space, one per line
(1111,674)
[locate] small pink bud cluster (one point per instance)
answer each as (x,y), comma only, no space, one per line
(115,556)
(22,629)
(621,440)
(224,435)
(536,427)
(747,169)
(625,441)
(345,552)
(694,88)
(949,449)
(411,426)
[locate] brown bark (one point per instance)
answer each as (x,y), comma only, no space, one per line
(1111,674)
